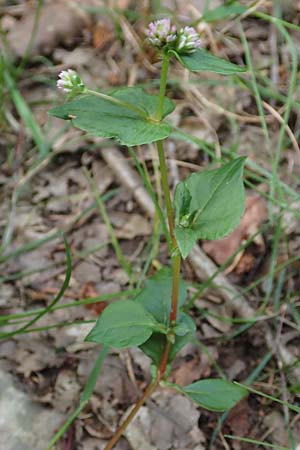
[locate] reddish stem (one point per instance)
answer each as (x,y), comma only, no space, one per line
(131,415)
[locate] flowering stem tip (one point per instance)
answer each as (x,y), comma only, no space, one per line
(69,81)
(162,35)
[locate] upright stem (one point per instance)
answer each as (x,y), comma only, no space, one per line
(176,260)
(131,415)
(162,88)
(166,190)
(175,255)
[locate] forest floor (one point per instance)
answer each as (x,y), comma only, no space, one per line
(248,318)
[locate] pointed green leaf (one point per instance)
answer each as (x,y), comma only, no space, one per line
(156,295)
(215,394)
(124,323)
(185,325)
(223,12)
(100,117)
(155,345)
(186,239)
(216,206)
(203,61)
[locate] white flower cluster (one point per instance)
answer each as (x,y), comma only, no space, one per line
(164,36)
(188,40)
(161,32)
(69,81)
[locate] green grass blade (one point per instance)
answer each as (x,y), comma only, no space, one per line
(85,396)
(85,301)
(114,241)
(152,195)
(254,441)
(26,114)
(56,299)
(270,397)
(255,88)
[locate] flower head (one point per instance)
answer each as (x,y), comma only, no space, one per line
(188,40)
(164,36)
(161,32)
(69,81)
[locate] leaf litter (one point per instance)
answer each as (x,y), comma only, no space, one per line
(55,363)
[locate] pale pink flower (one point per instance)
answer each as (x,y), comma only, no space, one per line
(69,81)
(161,32)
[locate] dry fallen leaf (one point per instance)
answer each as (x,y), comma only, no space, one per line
(173,423)
(103,34)
(128,226)
(239,419)
(66,390)
(67,26)
(89,291)
(187,372)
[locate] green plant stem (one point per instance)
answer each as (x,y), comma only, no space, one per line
(176,260)
(175,289)
(162,88)
(166,190)
(132,414)
(175,255)
(164,360)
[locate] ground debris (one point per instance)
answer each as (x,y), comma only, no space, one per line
(67,27)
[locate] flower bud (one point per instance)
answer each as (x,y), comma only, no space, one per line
(188,40)
(69,81)
(161,33)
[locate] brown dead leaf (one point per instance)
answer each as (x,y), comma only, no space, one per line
(103,34)
(129,226)
(87,272)
(239,419)
(89,291)
(122,4)
(66,390)
(221,250)
(187,372)
(102,175)
(172,423)
(113,383)
(34,355)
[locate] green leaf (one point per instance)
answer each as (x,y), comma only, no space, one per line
(184,325)
(100,117)
(186,238)
(216,206)
(155,345)
(215,394)
(203,61)
(223,12)
(156,295)
(123,324)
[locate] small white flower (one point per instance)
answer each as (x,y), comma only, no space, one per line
(161,32)
(188,40)
(69,81)
(164,36)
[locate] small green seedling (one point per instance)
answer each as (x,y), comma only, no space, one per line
(206,205)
